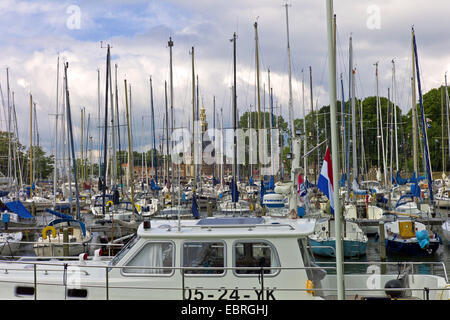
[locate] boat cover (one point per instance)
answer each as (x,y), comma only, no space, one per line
(57,221)
(59,214)
(18,208)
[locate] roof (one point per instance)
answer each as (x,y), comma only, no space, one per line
(237,228)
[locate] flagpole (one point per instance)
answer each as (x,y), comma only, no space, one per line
(335,152)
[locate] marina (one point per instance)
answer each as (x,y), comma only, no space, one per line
(161,175)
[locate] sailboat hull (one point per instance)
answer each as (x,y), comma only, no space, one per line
(327,248)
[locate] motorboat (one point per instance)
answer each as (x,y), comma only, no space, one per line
(213,258)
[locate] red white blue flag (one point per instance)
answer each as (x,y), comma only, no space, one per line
(325,182)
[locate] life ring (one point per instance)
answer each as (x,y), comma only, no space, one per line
(110,203)
(44,232)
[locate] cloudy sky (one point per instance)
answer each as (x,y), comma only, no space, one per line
(35,32)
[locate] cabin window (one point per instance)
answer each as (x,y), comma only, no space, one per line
(151,257)
(204,254)
(251,254)
(125,250)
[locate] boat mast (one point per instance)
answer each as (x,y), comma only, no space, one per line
(167,134)
(194,178)
(31,146)
(234,113)
(424,128)
(447,108)
(56,137)
(9,131)
(154,151)
(312,115)
(378,121)
(413,108)
(69,120)
(130,153)
(105,143)
(442,131)
(394,98)
(354,144)
(305,140)
(291,108)
(335,152)
(170,44)
(258,93)
(98,125)
(118,130)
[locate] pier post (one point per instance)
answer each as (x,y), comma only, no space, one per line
(382,239)
(209,208)
(66,242)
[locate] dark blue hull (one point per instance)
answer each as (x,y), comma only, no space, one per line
(411,249)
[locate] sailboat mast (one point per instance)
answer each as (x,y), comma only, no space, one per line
(9,131)
(414,109)
(31,146)
(194,178)
(234,110)
(56,137)
(167,132)
(378,120)
(259,102)
(447,108)
(170,44)
(305,140)
(291,108)
(394,98)
(69,120)
(335,152)
(354,144)
(130,153)
(424,128)
(312,115)
(154,151)
(105,139)
(99,145)
(118,127)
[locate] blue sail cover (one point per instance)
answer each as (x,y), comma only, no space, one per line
(262,192)
(343,179)
(194,209)
(58,221)
(400,180)
(59,214)
(234,191)
(18,208)
(153,186)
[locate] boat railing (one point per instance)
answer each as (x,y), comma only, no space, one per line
(235,226)
(186,291)
(59,244)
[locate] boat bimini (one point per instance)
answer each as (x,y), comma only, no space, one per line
(212,258)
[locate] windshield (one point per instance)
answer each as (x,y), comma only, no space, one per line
(124,250)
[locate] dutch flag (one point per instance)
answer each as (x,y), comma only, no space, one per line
(325,182)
